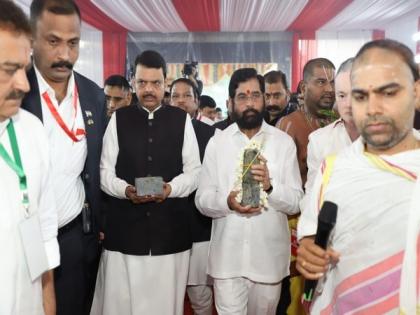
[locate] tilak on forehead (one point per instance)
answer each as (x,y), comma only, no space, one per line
(329,77)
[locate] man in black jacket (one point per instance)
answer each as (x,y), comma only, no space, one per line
(144,267)
(72,109)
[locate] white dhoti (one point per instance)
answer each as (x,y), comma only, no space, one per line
(199,289)
(241,296)
(131,285)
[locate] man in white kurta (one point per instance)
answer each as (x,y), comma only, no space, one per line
(26,199)
(249,252)
(18,294)
(373,184)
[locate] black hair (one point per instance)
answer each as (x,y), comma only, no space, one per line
(345,66)
(188,82)
(308,69)
(151,59)
(117,80)
(396,47)
(275,77)
(60,7)
(13,19)
(243,75)
(206,101)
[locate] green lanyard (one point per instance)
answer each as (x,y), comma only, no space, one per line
(16,164)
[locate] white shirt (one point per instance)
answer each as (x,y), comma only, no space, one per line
(325,141)
(258,246)
(182,185)
(205,119)
(68,157)
(18,294)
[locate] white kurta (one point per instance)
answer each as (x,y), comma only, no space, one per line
(325,141)
(370,233)
(253,246)
(18,295)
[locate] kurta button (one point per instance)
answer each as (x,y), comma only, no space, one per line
(150,140)
(148,213)
(150,123)
(149,158)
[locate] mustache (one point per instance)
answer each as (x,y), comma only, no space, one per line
(272,107)
(250,110)
(15,95)
(328,94)
(375,119)
(61,64)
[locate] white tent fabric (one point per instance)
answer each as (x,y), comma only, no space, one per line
(341,45)
(373,14)
(143,16)
(258,16)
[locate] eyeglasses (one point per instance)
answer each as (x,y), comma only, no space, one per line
(243,98)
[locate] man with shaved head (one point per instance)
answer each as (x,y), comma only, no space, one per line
(373,184)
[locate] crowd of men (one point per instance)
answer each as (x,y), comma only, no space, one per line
(79,238)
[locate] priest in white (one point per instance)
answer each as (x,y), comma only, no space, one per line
(250,246)
(373,183)
(26,199)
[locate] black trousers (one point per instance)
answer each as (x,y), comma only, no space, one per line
(75,278)
(285,298)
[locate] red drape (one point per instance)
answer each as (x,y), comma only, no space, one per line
(315,14)
(199,15)
(114,37)
(304,48)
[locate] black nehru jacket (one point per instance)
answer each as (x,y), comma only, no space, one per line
(200,224)
(149,147)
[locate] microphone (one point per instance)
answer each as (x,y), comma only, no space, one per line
(326,222)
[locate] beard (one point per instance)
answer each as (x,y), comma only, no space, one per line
(315,104)
(388,137)
(248,119)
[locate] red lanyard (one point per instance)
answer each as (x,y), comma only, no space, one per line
(77,135)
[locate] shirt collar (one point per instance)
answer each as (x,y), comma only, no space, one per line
(3,126)
(45,87)
(265,128)
(151,113)
(337,122)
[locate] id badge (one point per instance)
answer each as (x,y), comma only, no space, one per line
(33,246)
